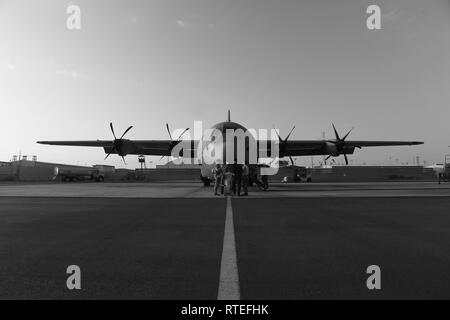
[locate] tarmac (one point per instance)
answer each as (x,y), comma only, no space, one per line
(195,189)
(166,240)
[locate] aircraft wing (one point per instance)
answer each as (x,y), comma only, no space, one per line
(322,147)
(92,143)
(287,148)
(138,147)
(360,144)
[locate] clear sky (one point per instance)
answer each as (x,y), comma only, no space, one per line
(278,62)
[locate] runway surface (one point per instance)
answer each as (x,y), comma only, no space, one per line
(165,241)
(196,190)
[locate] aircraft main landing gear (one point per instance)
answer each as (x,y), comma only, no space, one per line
(206,181)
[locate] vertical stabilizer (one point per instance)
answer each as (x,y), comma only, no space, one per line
(229,116)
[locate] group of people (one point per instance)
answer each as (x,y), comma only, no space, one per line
(231,178)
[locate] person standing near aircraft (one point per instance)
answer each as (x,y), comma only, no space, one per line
(218,176)
(245,174)
(228,179)
(264,182)
(237,183)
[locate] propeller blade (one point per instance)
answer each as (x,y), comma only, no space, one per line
(328,157)
(278,135)
(123,158)
(286,139)
(108,155)
(292,161)
(126,131)
(112,150)
(345,137)
(112,129)
(346,159)
(289,134)
(182,133)
(168,130)
(335,132)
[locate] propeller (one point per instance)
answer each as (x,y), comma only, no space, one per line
(284,141)
(117,144)
(339,143)
(168,131)
(287,137)
(171,139)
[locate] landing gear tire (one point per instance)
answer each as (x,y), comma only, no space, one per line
(206,183)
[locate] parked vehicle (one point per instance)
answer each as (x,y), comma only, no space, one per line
(78,174)
(301,174)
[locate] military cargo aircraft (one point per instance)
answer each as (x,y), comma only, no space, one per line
(192,148)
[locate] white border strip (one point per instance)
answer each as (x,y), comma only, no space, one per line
(229,276)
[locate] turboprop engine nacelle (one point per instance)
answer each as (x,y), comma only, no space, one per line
(331,149)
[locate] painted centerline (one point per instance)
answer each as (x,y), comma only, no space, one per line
(229,276)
